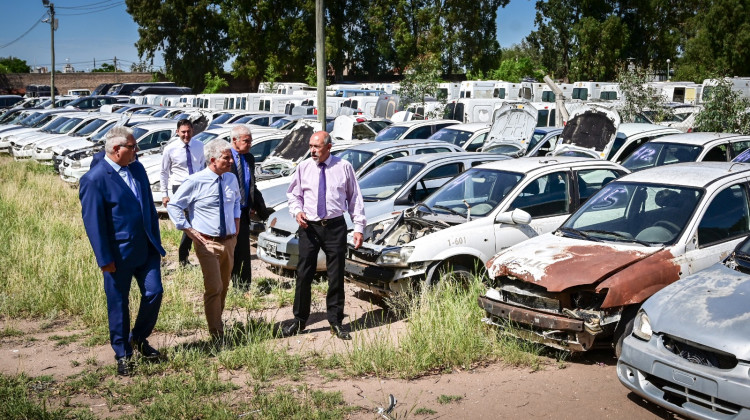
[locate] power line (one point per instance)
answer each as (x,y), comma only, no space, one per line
(86,6)
(38,21)
(102,9)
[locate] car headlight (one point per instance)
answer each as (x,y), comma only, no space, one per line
(396,256)
(47,150)
(28,146)
(642,326)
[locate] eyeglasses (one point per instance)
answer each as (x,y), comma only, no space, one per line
(129,146)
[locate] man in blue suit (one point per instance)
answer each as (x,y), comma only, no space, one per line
(123,228)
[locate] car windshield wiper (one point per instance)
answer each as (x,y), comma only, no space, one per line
(437,206)
(619,235)
(579,233)
(742,255)
(369,199)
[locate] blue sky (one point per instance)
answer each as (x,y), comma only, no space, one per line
(100,30)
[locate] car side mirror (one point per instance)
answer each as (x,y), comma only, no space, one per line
(405,200)
(514,217)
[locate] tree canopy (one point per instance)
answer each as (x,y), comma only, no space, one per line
(13,65)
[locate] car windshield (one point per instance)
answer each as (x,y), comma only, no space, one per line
(457,137)
(654,154)
(535,139)
(243,119)
(221,118)
(138,132)
(204,137)
(91,127)
(11,117)
(356,157)
(743,157)
(66,126)
(391,133)
(476,190)
(280,122)
(54,124)
(100,135)
(503,149)
(632,212)
(160,113)
(385,180)
(182,116)
(32,119)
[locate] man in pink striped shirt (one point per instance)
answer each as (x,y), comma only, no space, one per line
(322,189)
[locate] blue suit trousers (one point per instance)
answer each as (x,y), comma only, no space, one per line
(117,289)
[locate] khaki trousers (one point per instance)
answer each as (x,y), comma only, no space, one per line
(216,259)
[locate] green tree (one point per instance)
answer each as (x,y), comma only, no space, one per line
(105,68)
(637,95)
(554,38)
(214,83)
(718,38)
(191,34)
(421,79)
(600,46)
(724,111)
(13,65)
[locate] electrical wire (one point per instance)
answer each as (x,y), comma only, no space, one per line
(102,9)
(38,21)
(86,6)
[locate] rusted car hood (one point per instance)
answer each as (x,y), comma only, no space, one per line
(558,263)
(709,307)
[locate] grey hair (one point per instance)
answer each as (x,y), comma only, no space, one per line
(240,130)
(116,136)
(215,148)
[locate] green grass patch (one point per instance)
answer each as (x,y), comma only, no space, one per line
(447,399)
(27,398)
(422,411)
(10,331)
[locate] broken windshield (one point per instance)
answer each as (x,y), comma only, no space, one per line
(479,189)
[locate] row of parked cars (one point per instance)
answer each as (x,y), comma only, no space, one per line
(596,234)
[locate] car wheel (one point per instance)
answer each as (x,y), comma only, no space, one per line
(454,272)
(624,328)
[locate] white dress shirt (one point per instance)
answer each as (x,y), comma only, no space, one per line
(174,168)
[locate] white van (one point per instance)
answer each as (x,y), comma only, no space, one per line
(476,89)
(739,84)
(79,92)
(513,91)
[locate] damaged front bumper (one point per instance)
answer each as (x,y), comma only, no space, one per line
(570,330)
(363,271)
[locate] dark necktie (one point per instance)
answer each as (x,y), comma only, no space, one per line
(189,159)
(222,221)
(241,179)
(322,191)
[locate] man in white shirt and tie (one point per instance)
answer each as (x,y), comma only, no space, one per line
(179,160)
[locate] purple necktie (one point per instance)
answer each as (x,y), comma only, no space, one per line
(322,191)
(189,159)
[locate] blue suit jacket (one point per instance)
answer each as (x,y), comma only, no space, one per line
(118,225)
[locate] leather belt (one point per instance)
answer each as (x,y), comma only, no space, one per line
(216,238)
(326,222)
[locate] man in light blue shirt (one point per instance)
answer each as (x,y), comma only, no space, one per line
(211,198)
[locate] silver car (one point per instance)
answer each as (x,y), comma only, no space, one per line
(690,347)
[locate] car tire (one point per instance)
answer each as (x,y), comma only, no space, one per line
(456,272)
(624,328)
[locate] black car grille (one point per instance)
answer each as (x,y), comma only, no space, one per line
(680,396)
(701,356)
(363,255)
(528,295)
(280,233)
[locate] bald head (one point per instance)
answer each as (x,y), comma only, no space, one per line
(320,146)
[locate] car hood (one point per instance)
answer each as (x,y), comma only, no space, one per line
(628,272)
(292,148)
(514,124)
(709,308)
(76,143)
(590,129)
(274,190)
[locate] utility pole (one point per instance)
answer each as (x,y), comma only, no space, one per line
(52,27)
(320,60)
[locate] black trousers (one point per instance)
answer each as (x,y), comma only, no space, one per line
(332,240)
(241,271)
(185,242)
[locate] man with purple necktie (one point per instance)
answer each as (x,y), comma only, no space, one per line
(322,189)
(181,159)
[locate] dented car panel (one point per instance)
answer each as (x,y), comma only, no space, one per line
(633,238)
(690,349)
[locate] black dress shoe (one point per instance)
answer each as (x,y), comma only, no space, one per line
(292,328)
(145,349)
(124,366)
(339,331)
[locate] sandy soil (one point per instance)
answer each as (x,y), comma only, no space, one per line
(585,388)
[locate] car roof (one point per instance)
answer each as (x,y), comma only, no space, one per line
(413,123)
(377,146)
(528,164)
(697,139)
(473,127)
(447,157)
(631,129)
(689,174)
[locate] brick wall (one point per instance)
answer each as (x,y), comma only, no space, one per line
(15,83)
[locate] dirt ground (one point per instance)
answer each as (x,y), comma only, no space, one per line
(585,388)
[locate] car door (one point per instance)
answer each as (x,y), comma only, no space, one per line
(717,153)
(723,223)
(547,198)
